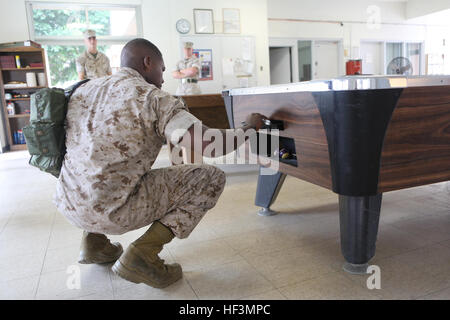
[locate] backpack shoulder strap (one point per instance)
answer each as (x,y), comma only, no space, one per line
(70,90)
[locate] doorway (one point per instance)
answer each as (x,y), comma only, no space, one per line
(326,59)
(372,58)
(280,65)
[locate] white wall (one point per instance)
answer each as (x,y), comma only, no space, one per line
(347,20)
(13,21)
(418,8)
(159,18)
(342,10)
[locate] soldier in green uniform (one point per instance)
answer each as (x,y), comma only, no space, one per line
(188,71)
(92,64)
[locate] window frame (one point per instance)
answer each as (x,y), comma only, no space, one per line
(79,40)
(70,40)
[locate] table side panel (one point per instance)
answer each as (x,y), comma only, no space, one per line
(302,122)
(416,148)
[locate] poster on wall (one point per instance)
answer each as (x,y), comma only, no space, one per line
(231,21)
(205,57)
(204,20)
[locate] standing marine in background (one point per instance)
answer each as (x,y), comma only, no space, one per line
(188,71)
(92,64)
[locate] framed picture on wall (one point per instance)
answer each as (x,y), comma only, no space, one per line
(205,57)
(231,21)
(204,20)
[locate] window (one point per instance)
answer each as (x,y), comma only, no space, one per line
(304,60)
(411,51)
(59,28)
(393,50)
(414,55)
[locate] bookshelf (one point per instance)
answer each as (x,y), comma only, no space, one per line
(20,96)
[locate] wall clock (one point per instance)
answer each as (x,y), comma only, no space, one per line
(183,26)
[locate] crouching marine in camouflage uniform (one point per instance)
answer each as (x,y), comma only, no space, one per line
(116,127)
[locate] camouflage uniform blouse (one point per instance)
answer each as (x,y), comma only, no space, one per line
(93,67)
(116,127)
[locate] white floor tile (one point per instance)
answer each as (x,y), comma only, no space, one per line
(439,295)
(19,267)
(61,285)
(205,254)
(231,281)
(22,289)
(177,291)
(334,286)
(290,266)
(60,259)
(270,295)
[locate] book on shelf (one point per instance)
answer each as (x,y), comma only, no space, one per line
(7,62)
(27,43)
(15,85)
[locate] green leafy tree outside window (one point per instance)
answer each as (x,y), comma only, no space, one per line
(61,23)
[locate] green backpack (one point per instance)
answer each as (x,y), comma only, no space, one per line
(46,134)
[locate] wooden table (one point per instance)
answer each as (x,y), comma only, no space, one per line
(210,108)
(359,137)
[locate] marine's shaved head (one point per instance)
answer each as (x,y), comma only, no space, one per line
(144,57)
(134,52)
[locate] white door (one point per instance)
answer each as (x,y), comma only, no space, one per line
(326,59)
(280,65)
(372,58)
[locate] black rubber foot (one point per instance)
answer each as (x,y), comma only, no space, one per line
(355,268)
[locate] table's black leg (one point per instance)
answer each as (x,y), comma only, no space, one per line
(267,190)
(359,217)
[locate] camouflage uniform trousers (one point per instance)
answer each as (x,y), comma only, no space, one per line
(185,89)
(177,196)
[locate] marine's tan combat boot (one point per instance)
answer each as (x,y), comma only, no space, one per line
(141,264)
(96,248)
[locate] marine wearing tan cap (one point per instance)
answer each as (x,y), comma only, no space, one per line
(89,33)
(188,71)
(92,64)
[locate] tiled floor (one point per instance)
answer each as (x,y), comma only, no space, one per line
(233,253)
